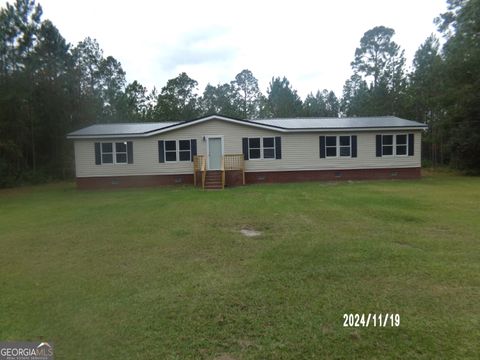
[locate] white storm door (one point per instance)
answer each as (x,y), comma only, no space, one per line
(215,153)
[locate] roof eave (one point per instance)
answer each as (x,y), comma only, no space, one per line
(242,122)
(350,129)
(303,130)
(105,136)
(179,126)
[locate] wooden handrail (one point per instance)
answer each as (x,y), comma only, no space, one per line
(228,162)
(199,165)
(195,169)
(222,168)
(204,171)
(235,162)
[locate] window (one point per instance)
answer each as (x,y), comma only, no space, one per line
(107,153)
(264,148)
(401,144)
(345,145)
(394,145)
(184,147)
(113,153)
(121,152)
(254,148)
(269,148)
(170,150)
(338,146)
(178,150)
(331,146)
(387,145)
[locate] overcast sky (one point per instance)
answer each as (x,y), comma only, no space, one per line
(310,42)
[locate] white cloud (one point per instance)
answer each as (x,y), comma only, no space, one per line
(310,42)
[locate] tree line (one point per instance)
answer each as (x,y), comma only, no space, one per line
(49,87)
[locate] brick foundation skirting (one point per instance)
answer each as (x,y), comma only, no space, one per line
(332,175)
(234,178)
(113,182)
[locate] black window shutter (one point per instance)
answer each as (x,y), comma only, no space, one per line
(379,145)
(98,155)
(129,152)
(322,147)
(411,145)
(278,147)
(193,148)
(245,148)
(354,145)
(161,152)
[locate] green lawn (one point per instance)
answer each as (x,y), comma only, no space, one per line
(164,273)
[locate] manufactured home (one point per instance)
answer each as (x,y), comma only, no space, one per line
(217,151)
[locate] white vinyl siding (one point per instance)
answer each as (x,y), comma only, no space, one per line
(300,151)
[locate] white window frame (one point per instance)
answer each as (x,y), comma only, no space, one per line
(102,153)
(260,139)
(120,152)
(274,147)
(177,151)
(394,145)
(165,151)
(331,146)
(338,147)
(114,153)
(189,150)
(406,145)
(261,148)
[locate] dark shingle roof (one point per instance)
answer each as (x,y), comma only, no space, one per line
(281,125)
(341,123)
(121,129)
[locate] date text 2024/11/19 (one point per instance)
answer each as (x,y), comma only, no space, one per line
(375,320)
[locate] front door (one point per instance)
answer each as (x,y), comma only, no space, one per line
(215,153)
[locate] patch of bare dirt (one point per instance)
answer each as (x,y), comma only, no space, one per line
(249,232)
